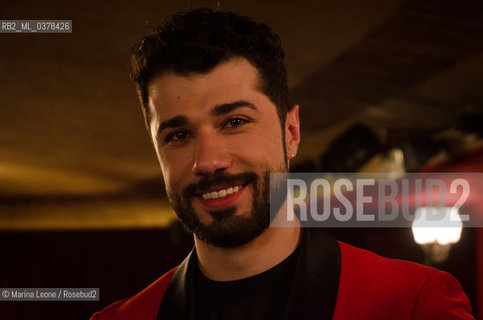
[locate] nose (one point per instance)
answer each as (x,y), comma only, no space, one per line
(210,155)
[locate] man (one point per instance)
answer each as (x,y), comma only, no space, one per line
(213,88)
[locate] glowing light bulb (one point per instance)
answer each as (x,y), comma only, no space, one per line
(437,225)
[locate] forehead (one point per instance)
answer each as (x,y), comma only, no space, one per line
(235,79)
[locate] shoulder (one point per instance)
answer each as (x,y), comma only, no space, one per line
(383,287)
(370,264)
(143,305)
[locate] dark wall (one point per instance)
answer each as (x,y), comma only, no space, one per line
(120,263)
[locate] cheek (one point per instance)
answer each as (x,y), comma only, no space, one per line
(174,169)
(273,140)
(264,147)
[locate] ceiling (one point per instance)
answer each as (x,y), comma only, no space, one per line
(71,129)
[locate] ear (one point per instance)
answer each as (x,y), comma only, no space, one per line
(292,132)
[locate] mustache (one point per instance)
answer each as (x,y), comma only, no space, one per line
(217,179)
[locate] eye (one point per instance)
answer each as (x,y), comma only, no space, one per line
(234,123)
(177,136)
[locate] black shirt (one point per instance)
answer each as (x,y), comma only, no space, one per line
(263,296)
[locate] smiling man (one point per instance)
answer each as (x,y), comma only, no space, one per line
(214,93)
(208,132)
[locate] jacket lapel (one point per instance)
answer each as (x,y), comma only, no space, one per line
(178,300)
(316,280)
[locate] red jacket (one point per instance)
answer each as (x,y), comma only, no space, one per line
(368,286)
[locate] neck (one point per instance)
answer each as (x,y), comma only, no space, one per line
(264,252)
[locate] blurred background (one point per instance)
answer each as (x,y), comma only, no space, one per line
(383,85)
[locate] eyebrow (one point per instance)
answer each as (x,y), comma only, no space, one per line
(177,121)
(229,107)
(218,110)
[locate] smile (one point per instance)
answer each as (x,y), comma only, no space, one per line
(220,194)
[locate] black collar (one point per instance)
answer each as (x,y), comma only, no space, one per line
(314,289)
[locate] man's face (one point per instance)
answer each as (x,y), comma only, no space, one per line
(217,138)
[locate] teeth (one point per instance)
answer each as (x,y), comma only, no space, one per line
(221,193)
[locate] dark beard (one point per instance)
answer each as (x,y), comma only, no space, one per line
(228,229)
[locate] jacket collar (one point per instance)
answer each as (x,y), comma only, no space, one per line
(314,288)
(316,280)
(178,300)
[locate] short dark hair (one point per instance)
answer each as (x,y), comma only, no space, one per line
(196,41)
